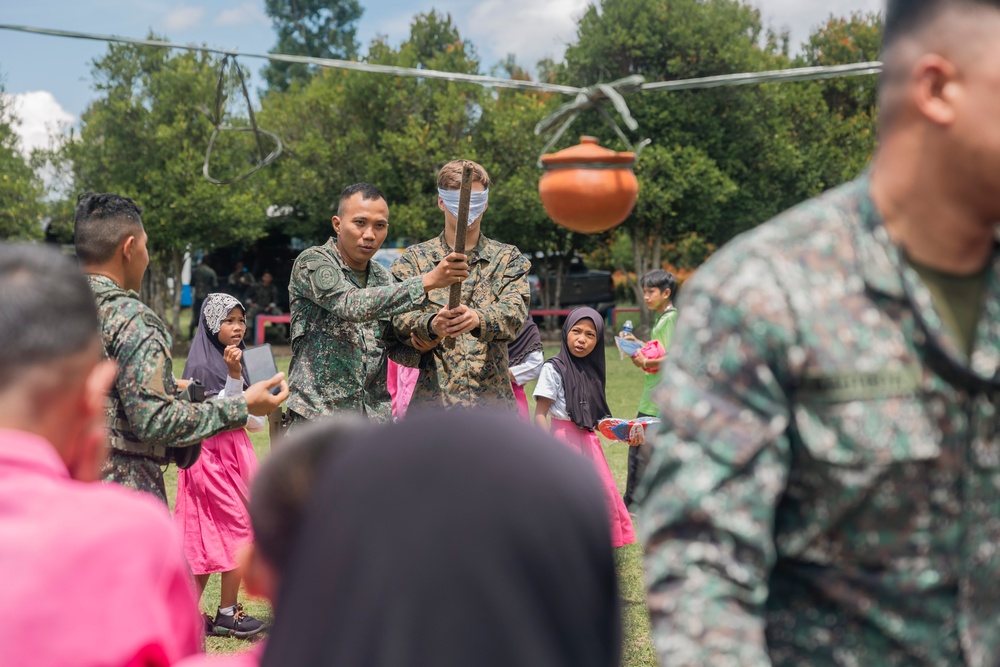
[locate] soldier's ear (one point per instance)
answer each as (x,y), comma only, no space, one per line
(128,247)
(336,224)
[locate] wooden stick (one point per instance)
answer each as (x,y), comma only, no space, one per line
(465,194)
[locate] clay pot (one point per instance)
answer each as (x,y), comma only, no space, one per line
(592,198)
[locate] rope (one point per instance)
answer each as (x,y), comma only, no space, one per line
(586,98)
(220,98)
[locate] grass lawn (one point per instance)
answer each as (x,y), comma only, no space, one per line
(624,388)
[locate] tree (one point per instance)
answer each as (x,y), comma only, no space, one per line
(723,159)
(145,138)
(317,28)
(21,190)
(852,101)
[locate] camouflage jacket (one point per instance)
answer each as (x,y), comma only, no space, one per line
(825,491)
(145,414)
(475,372)
(340,332)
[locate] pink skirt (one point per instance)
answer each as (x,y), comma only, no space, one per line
(212,500)
(588,445)
(522,401)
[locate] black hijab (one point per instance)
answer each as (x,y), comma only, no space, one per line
(468,539)
(204,361)
(528,341)
(583,379)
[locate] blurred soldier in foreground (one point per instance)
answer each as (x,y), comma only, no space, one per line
(825,491)
(148,419)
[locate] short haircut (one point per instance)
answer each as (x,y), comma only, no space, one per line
(659,279)
(47,311)
(368,192)
(281,490)
(103,221)
(905,17)
(450,176)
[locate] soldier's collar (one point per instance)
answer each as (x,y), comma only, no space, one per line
(473,254)
(881,262)
(98,281)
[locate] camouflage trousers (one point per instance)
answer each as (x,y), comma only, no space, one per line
(135,472)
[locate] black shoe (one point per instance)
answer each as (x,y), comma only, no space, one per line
(209,624)
(239,625)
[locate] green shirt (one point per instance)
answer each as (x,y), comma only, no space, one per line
(959,299)
(663,331)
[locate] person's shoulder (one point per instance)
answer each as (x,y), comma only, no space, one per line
(137,518)
(815,235)
(508,254)
(381,275)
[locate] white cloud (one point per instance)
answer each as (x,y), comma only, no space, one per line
(248,12)
(40,117)
(183,18)
(531,29)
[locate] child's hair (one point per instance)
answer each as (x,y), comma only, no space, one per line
(659,279)
(284,484)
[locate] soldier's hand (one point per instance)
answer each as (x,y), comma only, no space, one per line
(452,269)
(440,322)
(423,346)
(260,401)
(232,356)
(461,320)
(182,384)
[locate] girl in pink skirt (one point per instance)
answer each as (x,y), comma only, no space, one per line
(570,391)
(212,495)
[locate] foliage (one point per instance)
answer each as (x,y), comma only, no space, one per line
(317,28)
(145,138)
(21,190)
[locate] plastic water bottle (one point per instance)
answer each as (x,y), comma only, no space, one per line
(627,329)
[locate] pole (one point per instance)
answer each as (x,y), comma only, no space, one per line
(465,194)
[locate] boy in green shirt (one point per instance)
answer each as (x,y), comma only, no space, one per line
(657,291)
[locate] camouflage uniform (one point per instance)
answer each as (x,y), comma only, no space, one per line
(476,371)
(827,488)
(145,416)
(339,334)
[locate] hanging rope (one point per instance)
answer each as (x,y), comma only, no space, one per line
(591,97)
(220,100)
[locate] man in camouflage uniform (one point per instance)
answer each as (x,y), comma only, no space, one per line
(494,307)
(204,281)
(147,418)
(825,490)
(341,302)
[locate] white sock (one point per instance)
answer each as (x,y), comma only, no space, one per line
(227,611)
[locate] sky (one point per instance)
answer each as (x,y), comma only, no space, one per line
(50,77)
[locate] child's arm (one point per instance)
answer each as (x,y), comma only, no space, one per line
(542,406)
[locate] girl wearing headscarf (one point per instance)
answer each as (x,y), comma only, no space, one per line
(436,553)
(212,495)
(570,391)
(525,361)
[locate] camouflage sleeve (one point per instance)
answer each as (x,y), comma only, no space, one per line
(147,390)
(503,320)
(403,269)
(719,468)
(318,279)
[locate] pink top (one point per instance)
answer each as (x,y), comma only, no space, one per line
(93,574)
(249,658)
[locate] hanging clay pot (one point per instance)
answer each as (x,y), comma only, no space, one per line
(587,188)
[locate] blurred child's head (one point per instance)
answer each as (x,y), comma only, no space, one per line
(581,339)
(280,496)
(658,288)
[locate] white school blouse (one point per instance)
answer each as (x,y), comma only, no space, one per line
(550,386)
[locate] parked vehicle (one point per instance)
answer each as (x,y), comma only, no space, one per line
(580,286)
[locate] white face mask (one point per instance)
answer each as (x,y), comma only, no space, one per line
(477,202)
